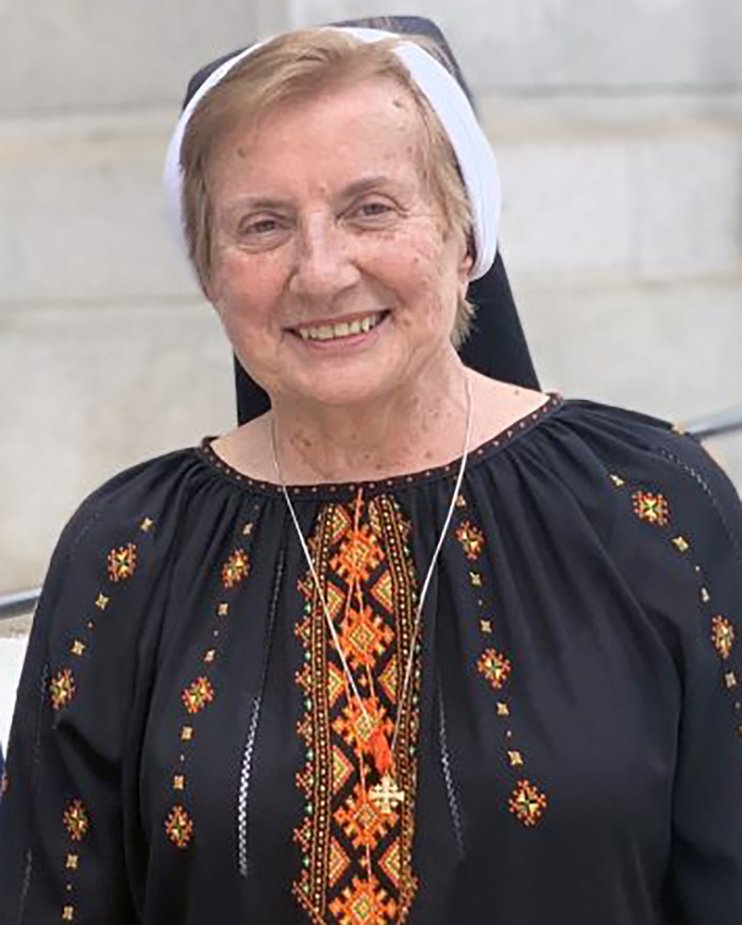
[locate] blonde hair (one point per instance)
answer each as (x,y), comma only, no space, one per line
(293,67)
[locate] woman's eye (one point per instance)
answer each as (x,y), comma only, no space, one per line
(373,211)
(260,226)
(374,208)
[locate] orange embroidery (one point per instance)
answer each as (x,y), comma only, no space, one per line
(471,539)
(198,695)
(235,569)
(362,821)
(357,858)
(179,827)
(122,562)
(364,902)
(62,688)
(359,555)
(364,637)
(652,508)
(723,636)
(76,820)
(494,667)
(527,803)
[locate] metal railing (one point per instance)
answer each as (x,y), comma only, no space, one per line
(717,425)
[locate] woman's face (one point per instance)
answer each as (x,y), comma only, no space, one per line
(334,274)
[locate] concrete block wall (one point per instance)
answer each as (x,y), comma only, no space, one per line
(619,135)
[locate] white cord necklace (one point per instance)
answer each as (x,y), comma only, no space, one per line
(386,794)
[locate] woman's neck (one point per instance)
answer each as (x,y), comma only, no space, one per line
(422,427)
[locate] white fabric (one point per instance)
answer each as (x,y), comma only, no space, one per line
(472,149)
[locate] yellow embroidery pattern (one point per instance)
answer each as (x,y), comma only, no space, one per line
(723,636)
(178,823)
(122,562)
(527,803)
(471,539)
(179,827)
(652,508)
(235,569)
(62,688)
(76,820)
(495,668)
(198,695)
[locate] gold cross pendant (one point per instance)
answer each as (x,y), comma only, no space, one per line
(387,795)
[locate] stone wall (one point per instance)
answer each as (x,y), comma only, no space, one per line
(619,133)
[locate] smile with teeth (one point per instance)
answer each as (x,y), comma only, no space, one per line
(341,329)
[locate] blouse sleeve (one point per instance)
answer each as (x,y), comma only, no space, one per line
(686,563)
(64,812)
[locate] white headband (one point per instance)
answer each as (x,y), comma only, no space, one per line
(444,93)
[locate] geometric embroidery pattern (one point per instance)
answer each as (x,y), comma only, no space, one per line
(122,562)
(198,695)
(235,569)
(62,688)
(356,857)
(179,827)
(723,636)
(527,803)
(494,667)
(654,508)
(651,508)
(76,820)
(471,539)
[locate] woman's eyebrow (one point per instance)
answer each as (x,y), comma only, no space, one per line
(260,202)
(367,183)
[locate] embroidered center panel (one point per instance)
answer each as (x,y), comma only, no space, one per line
(357,833)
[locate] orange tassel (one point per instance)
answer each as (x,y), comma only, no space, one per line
(380,751)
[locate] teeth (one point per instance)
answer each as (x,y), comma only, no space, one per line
(342,329)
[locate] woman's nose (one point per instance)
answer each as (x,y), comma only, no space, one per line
(325,263)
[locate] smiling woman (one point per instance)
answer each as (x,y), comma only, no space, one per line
(414,645)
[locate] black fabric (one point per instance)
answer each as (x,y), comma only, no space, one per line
(497,347)
(594,549)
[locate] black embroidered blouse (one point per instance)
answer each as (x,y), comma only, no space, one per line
(185,750)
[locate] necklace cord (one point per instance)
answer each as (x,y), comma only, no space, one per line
(426,583)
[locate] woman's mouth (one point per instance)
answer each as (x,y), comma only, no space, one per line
(340,329)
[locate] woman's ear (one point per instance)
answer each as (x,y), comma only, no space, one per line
(465,265)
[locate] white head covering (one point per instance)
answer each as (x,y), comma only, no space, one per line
(475,157)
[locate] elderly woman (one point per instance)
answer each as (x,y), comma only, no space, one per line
(415,645)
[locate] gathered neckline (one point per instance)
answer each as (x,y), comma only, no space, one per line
(500,440)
